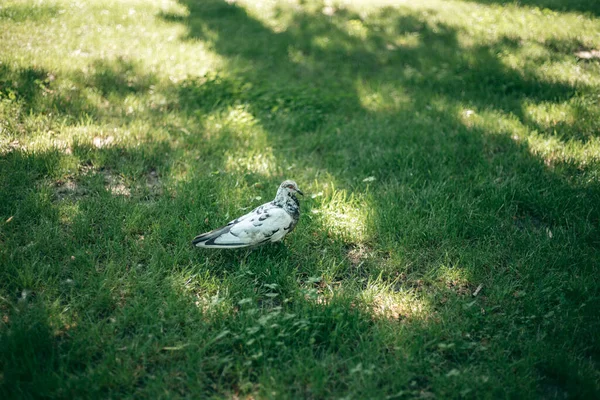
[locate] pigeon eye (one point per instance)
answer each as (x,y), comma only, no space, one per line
(290,186)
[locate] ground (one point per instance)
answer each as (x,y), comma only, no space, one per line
(449,243)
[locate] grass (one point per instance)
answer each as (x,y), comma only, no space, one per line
(446,147)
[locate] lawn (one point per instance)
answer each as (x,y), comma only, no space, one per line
(449,242)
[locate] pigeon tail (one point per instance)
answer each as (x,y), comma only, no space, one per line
(208,238)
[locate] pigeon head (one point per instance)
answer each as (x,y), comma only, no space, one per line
(286,198)
(290,186)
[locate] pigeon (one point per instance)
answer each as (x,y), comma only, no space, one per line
(265,224)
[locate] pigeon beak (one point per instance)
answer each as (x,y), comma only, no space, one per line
(299,192)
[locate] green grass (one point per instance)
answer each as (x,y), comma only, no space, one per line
(128,127)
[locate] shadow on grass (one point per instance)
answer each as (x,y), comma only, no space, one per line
(439,77)
(35,90)
(579,6)
(30,348)
(120,299)
(448,191)
(120,77)
(317,53)
(510,192)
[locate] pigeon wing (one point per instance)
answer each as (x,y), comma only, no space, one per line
(203,237)
(255,228)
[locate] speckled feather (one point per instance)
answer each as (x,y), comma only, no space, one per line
(268,223)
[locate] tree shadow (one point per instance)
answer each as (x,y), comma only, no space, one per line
(120,77)
(36,90)
(580,6)
(447,190)
(438,69)
(30,350)
(441,79)
(325,72)
(123,290)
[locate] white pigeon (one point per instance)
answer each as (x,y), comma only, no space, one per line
(265,224)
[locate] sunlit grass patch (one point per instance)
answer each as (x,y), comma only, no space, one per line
(455,277)
(344,215)
(247,146)
(563,134)
(577,119)
(395,305)
(553,150)
(68,211)
(160,48)
(382,97)
(258,161)
(205,292)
